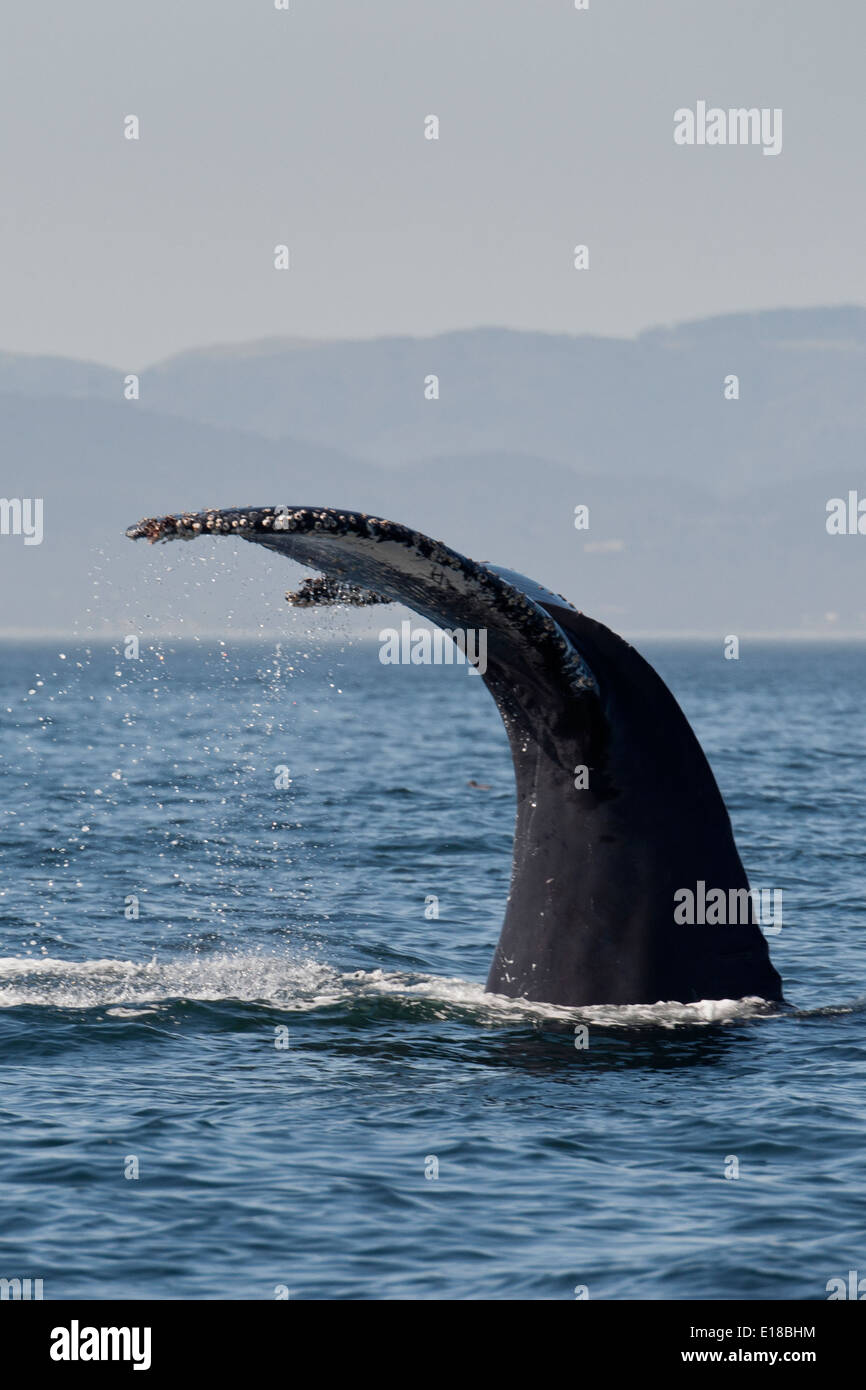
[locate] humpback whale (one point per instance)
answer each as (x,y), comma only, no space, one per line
(599,857)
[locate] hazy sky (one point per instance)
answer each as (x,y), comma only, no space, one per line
(307,127)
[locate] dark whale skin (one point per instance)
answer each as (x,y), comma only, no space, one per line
(590,914)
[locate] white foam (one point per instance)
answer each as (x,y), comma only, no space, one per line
(129,989)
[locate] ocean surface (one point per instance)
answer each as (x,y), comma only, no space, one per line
(237,1045)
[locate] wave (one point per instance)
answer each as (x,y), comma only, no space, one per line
(291,984)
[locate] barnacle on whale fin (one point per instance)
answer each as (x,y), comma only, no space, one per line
(322,590)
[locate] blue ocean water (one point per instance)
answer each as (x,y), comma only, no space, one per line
(283,1046)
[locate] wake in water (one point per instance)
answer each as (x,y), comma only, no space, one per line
(294,985)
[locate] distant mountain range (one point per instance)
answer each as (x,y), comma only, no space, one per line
(706,514)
